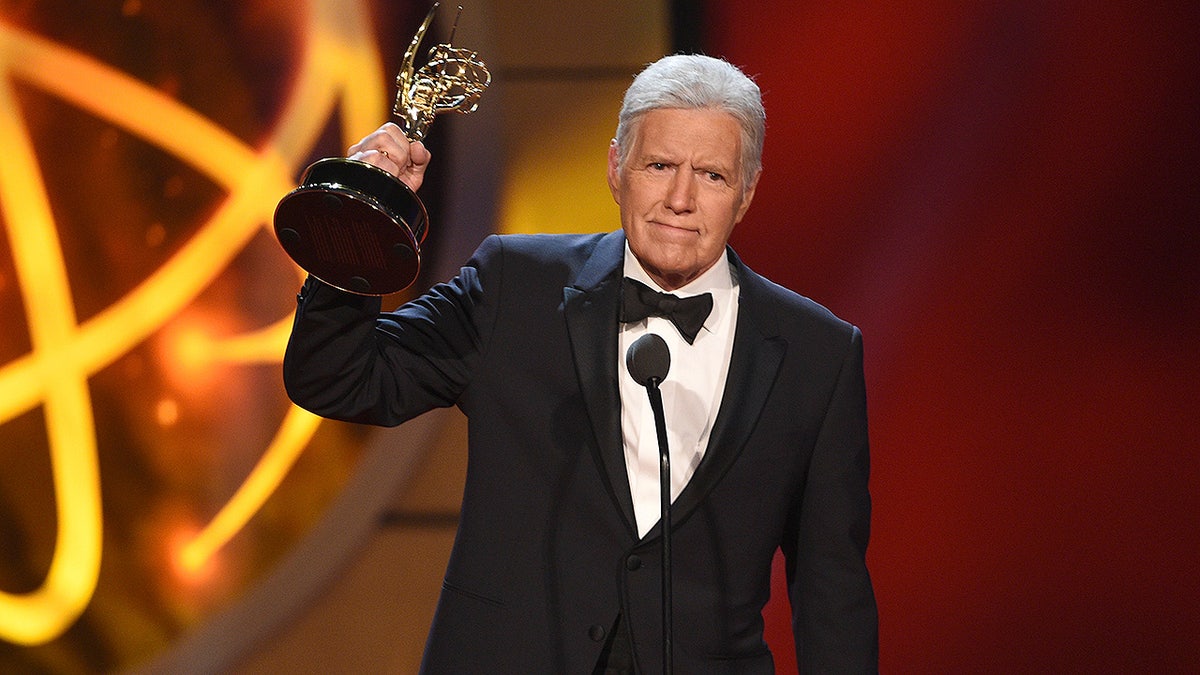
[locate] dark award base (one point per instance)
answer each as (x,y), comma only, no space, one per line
(354,226)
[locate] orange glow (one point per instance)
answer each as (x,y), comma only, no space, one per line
(339,70)
(167,412)
(189,570)
(187,356)
(194,350)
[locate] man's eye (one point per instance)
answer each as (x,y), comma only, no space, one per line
(658,166)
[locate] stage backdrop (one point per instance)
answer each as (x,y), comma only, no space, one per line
(152,467)
(1004,197)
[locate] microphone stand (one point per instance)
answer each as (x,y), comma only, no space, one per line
(664,472)
(648,361)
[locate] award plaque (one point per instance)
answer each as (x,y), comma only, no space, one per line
(357,227)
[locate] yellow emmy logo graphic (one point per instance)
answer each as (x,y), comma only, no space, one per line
(338,68)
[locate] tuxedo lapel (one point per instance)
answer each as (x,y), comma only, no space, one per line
(754,364)
(590,308)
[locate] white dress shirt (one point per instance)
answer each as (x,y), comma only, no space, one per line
(691,392)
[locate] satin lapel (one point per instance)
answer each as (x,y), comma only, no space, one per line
(590,308)
(754,364)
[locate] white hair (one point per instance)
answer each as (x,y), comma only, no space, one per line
(692,81)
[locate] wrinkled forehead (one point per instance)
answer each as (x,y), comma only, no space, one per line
(707,138)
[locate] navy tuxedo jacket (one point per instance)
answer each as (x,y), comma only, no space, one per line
(524,341)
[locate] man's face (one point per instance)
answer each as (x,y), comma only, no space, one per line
(680,191)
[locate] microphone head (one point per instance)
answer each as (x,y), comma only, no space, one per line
(648,360)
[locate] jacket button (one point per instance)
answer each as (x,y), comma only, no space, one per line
(596,632)
(633,562)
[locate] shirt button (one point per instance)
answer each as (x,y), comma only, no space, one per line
(596,632)
(633,563)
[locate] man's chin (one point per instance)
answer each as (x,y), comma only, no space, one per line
(669,273)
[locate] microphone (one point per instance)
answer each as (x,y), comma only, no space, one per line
(648,361)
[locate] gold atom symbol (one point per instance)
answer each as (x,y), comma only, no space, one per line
(337,68)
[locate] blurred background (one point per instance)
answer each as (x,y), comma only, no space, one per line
(1003,196)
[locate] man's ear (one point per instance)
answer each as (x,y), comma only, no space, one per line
(614,171)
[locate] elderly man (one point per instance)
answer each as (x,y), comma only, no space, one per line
(556,563)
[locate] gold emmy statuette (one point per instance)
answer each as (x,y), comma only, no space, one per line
(357,227)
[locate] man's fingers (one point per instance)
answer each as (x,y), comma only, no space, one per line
(389,149)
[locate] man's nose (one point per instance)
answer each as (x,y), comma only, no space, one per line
(681,192)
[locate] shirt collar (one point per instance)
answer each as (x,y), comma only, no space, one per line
(717,280)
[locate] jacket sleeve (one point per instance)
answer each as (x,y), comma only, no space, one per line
(835,619)
(346,360)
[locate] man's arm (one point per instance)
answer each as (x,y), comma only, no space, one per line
(835,620)
(346,361)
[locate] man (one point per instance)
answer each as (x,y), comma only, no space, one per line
(556,564)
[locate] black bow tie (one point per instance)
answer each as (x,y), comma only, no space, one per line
(639,301)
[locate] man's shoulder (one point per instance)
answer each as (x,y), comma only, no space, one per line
(790,308)
(549,244)
(560,258)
